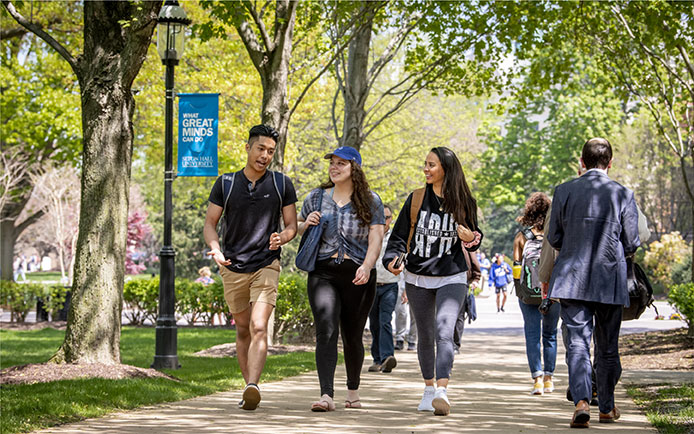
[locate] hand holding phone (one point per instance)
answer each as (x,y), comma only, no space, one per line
(400,260)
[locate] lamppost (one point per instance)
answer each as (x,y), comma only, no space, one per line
(171,26)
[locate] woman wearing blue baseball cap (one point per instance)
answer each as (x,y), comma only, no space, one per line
(342,286)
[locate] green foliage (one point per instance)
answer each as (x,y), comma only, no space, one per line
(682,298)
(197,302)
(662,256)
(682,271)
(32,406)
(293,316)
(669,407)
(20,298)
(141,299)
(53,298)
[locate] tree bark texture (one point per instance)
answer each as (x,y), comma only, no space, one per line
(271,57)
(113,55)
(356,85)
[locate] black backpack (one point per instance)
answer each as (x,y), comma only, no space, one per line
(640,292)
(529,289)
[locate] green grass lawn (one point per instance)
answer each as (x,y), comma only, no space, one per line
(670,408)
(33,406)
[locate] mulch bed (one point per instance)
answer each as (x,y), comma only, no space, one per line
(45,372)
(665,349)
(229,350)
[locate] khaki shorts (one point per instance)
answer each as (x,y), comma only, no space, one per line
(242,289)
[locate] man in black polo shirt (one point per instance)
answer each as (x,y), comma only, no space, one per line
(250,201)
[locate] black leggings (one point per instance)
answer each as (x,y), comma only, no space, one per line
(335,300)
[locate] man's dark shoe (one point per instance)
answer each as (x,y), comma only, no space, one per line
(610,417)
(388,364)
(581,418)
(399,345)
(375,367)
(411,346)
(251,397)
(594,399)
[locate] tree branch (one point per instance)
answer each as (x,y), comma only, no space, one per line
(250,41)
(269,46)
(29,221)
(43,35)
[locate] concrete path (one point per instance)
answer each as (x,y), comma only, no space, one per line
(489,392)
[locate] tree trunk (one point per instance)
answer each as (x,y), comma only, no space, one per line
(355,90)
(7,241)
(275,108)
(113,55)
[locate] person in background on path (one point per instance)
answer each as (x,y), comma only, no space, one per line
(485,267)
(205,276)
(540,329)
(499,276)
(249,261)
(434,226)
(382,310)
(342,287)
(466,309)
(594,225)
(20,266)
(403,312)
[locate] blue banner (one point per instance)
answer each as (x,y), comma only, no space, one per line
(198,126)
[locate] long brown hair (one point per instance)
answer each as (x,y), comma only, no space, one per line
(361,194)
(457,197)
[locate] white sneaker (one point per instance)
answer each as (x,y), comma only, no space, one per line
(442,407)
(425,404)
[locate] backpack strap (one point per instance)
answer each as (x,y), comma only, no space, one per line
(278,181)
(227,186)
(415,206)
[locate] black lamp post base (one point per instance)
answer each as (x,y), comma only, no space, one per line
(166,362)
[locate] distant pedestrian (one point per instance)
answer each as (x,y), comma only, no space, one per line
(342,287)
(403,315)
(20,268)
(434,226)
(251,203)
(485,267)
(205,276)
(499,276)
(381,314)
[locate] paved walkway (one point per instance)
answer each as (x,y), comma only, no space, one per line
(489,392)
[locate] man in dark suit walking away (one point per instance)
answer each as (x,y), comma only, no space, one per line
(594,225)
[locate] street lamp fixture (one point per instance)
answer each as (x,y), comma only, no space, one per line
(171,36)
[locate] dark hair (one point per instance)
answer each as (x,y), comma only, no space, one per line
(597,153)
(361,194)
(263,130)
(457,197)
(535,210)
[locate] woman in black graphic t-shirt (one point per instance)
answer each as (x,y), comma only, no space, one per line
(435,269)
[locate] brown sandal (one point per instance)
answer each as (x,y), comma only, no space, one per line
(352,404)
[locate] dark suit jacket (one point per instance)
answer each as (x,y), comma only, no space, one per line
(594,223)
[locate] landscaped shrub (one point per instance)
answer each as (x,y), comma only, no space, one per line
(682,298)
(661,257)
(53,298)
(193,300)
(141,298)
(293,316)
(219,304)
(682,271)
(19,298)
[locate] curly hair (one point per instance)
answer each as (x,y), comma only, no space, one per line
(361,194)
(535,210)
